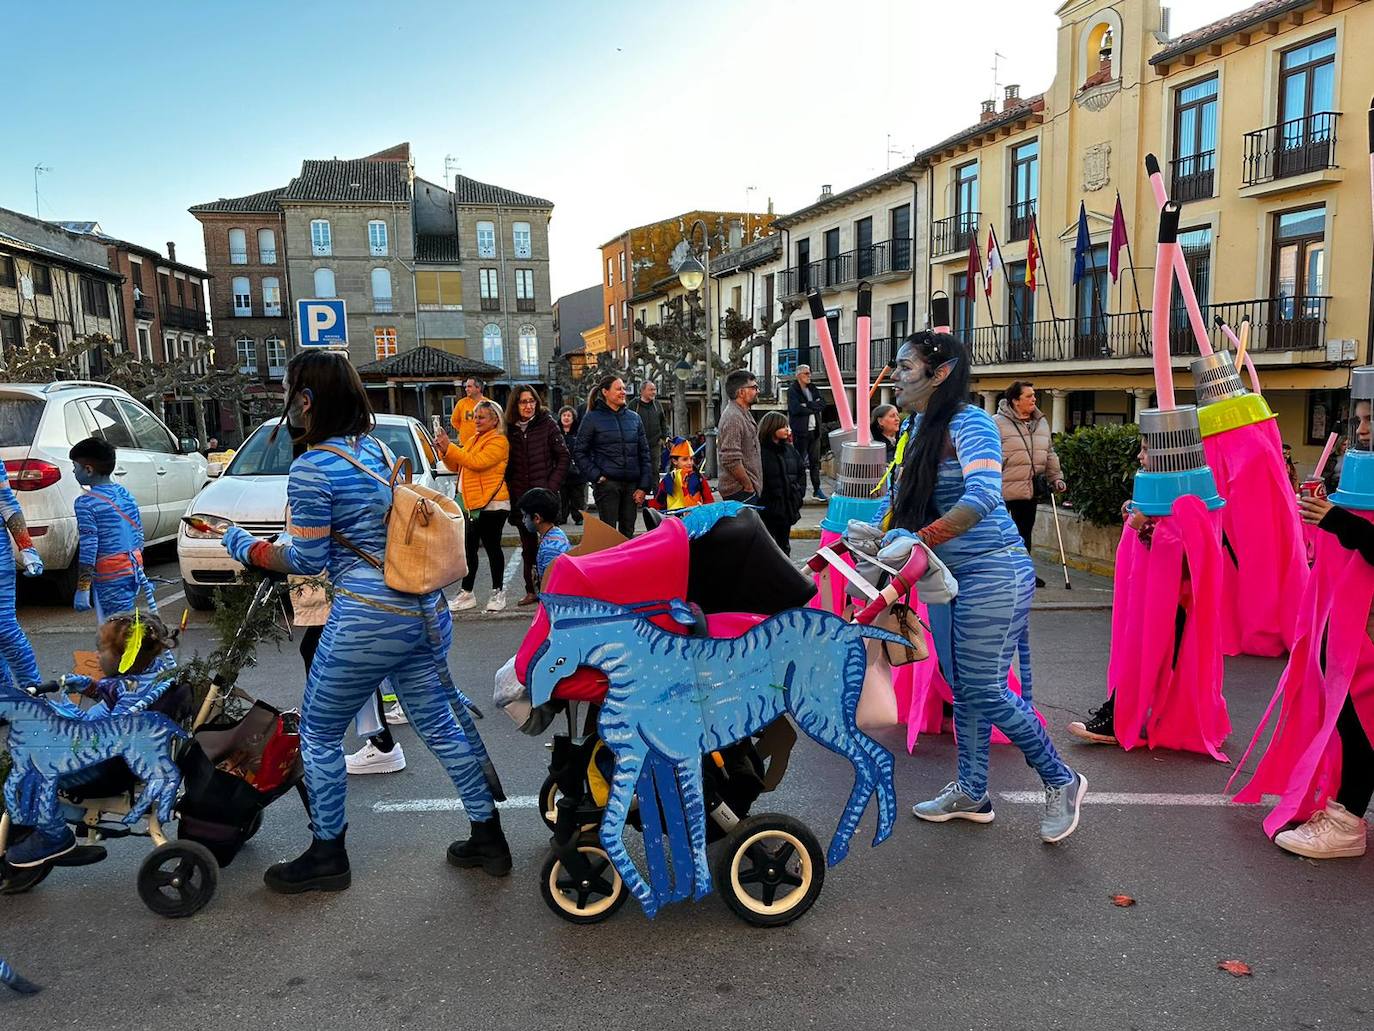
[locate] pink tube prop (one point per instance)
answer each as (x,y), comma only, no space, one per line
(1326,456)
(832,363)
(862,338)
(1249,362)
(1185,284)
(1165,251)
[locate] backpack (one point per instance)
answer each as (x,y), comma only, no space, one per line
(424,533)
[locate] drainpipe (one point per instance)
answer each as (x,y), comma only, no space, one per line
(930,230)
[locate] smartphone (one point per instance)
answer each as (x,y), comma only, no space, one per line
(435,425)
(205,527)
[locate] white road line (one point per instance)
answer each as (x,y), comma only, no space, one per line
(447,805)
(1120,798)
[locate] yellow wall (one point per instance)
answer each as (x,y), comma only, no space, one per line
(595,339)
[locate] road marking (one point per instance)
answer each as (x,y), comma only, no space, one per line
(448,805)
(1121,798)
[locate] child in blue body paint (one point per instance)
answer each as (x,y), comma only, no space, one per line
(15,650)
(110,573)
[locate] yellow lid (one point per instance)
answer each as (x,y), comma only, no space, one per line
(1233,413)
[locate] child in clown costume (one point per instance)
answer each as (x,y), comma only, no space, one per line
(338,497)
(681,486)
(110,563)
(15,650)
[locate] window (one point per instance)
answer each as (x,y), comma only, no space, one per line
(1307,124)
(863,247)
(243,297)
(324,282)
(271,296)
(276,357)
(486,240)
(833,271)
(164,291)
(267,247)
(1298,278)
(247,350)
(803,283)
(381,289)
(529,351)
(238,247)
(95,299)
(803,338)
(961,307)
(610,317)
(625,314)
(610,271)
(492,351)
(145,345)
(1025,188)
(384,340)
(439,291)
(1020,313)
(524,289)
(135,273)
(622,266)
(489,284)
(7,277)
(1090,306)
(10,335)
(149,434)
(520,234)
(899,232)
(1195,141)
(109,425)
(896,323)
(321,238)
(376,238)
(42,279)
(1196,244)
(966,192)
(169,349)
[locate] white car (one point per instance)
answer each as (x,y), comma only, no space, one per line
(39,423)
(251,493)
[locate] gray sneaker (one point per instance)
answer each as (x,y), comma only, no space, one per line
(1062,806)
(952,804)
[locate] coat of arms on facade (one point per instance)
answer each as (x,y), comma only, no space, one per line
(1097,167)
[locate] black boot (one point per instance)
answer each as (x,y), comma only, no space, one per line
(322,867)
(486,848)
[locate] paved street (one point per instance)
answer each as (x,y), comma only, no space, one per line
(943,927)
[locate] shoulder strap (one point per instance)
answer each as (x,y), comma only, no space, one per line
(111,502)
(402,467)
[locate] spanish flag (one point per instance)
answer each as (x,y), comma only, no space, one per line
(1032,257)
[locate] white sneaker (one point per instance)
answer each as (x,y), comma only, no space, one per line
(465,600)
(371,759)
(1333,833)
(395,715)
(497,601)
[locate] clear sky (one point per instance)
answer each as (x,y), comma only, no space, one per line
(621,113)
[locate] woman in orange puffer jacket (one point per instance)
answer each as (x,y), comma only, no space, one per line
(485,498)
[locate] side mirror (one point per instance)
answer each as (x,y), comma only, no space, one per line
(189,445)
(214,469)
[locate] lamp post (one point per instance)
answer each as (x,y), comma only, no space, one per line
(692,274)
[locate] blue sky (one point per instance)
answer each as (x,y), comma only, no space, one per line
(621,113)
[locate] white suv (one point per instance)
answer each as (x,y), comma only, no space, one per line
(39,423)
(251,492)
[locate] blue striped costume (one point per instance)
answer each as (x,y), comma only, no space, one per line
(111,556)
(372,633)
(981,631)
(15,650)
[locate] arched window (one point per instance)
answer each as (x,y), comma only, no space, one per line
(238,247)
(493,353)
(321,238)
(267,247)
(271,296)
(381,289)
(324,282)
(376,237)
(243,296)
(529,350)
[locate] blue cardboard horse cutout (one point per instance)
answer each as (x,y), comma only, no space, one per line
(12,980)
(674,699)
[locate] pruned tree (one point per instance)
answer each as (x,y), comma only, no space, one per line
(574,381)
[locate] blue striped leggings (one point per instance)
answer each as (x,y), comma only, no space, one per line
(361,646)
(986,627)
(14,646)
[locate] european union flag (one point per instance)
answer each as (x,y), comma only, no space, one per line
(1082,246)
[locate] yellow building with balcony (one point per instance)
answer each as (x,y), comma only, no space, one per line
(1257,122)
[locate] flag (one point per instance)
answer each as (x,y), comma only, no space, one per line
(974,270)
(994,261)
(1032,258)
(1082,247)
(1118,240)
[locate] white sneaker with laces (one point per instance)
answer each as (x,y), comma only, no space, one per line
(497,601)
(1333,833)
(464,601)
(371,759)
(395,715)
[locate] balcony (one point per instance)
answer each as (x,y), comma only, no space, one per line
(1291,148)
(1192,177)
(1276,324)
(491,304)
(143,307)
(381,304)
(879,261)
(267,257)
(1019,218)
(184,318)
(524,304)
(953,235)
(880,350)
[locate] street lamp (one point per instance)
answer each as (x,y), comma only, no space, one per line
(693,275)
(682,371)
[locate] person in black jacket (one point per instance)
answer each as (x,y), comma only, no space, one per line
(783,484)
(804,408)
(538,458)
(573,497)
(613,453)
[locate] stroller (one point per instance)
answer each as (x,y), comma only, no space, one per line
(768,868)
(230,770)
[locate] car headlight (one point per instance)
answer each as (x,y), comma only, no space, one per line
(203,526)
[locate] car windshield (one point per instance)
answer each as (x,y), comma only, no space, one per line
(262,456)
(19,420)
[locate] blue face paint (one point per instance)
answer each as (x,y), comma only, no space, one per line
(527,521)
(85,475)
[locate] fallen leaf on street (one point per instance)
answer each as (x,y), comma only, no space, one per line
(1235,968)
(1123,901)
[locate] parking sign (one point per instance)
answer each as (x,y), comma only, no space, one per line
(323,322)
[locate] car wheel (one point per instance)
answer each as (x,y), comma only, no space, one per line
(199,598)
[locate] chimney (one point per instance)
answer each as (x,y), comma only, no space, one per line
(1162,34)
(825,192)
(989,110)
(1011,97)
(171,251)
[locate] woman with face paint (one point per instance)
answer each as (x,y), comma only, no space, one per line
(949,495)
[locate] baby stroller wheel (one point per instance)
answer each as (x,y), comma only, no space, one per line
(586,901)
(254,825)
(16,881)
(770,870)
(178,879)
(548,801)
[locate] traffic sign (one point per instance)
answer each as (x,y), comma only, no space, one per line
(323,322)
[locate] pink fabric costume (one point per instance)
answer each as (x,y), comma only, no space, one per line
(1302,764)
(1160,702)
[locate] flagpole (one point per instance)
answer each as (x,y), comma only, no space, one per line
(987,285)
(1049,290)
(1097,290)
(1135,285)
(1011,294)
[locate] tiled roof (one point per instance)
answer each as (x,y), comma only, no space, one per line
(1029,106)
(9,242)
(470,191)
(264,201)
(1263,11)
(894,175)
(436,247)
(430,362)
(359,180)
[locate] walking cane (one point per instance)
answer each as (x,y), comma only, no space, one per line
(1063,559)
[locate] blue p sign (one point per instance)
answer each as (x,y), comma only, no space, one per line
(323,322)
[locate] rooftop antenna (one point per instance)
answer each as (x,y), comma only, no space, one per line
(748,191)
(38,168)
(996,85)
(897,151)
